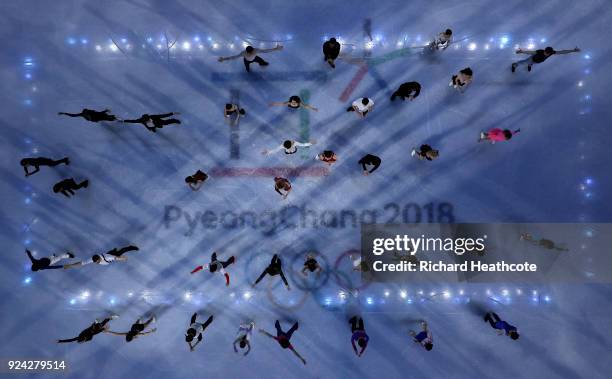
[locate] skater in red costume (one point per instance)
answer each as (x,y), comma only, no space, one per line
(217,265)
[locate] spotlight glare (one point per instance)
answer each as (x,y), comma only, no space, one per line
(186,46)
(403,294)
(472,46)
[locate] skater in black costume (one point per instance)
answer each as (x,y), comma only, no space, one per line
(249,55)
(425,152)
(88,334)
(294,102)
(155,121)
(282,186)
(106,258)
(359,335)
(502,327)
(331,50)
(462,79)
(369,160)
(68,186)
(196,180)
(273,269)
(284,338)
(136,330)
(195,331)
(311,264)
(539,56)
(47,263)
(40,161)
(92,115)
(217,265)
(410,90)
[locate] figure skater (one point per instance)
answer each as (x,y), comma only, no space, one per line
(311,264)
(502,327)
(408,90)
(282,186)
(327,156)
(289,146)
(195,331)
(243,338)
(497,135)
(196,180)
(462,79)
(544,243)
(294,103)
(106,258)
(359,335)
(539,56)
(136,330)
(361,106)
(274,268)
(369,160)
(284,338)
(425,152)
(443,41)
(359,264)
(424,337)
(91,115)
(40,161)
(331,50)
(155,121)
(47,263)
(67,186)
(217,265)
(233,110)
(94,329)
(249,55)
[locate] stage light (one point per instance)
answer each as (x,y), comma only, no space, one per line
(370,301)
(461,292)
(84,295)
(505,292)
(327,301)
(72,301)
(472,46)
(447,294)
(98,48)
(71,41)
(84,41)
(387,293)
(27,280)
(215,46)
(113,47)
(196,39)
(580,83)
(369,45)
(247,295)
(123,40)
(403,294)
(504,40)
(186,46)
(187,296)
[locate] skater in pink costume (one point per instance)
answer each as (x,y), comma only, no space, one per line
(497,135)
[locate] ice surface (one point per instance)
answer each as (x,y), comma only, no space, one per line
(63,56)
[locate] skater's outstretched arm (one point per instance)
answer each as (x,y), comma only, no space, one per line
(68,340)
(574,50)
(71,114)
(164,115)
(275,150)
(277,47)
(221,59)
(279,103)
(199,268)
(135,121)
(304,144)
(308,106)
(116,333)
(521,51)
(267,334)
(149,332)
(32,259)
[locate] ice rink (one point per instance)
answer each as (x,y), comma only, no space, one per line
(156,56)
